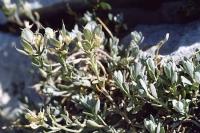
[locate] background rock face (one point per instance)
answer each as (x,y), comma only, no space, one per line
(2,18)
(184,39)
(15,76)
(42,3)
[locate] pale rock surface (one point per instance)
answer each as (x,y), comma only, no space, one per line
(184,39)
(43,3)
(16,78)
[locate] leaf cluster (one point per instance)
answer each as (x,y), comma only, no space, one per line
(93,84)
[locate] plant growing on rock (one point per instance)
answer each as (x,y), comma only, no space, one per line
(92,84)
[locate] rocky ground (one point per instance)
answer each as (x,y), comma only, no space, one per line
(16,77)
(16,71)
(183,40)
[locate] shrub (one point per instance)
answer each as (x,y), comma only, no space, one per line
(94,84)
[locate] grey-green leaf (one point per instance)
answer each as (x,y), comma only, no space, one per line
(55,42)
(27,35)
(185,81)
(94,124)
(189,67)
(97,106)
(143,84)
(153,90)
(197,77)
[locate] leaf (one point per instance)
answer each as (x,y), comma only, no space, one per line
(87,34)
(49,33)
(36,62)
(139,70)
(97,106)
(178,106)
(151,67)
(143,84)
(118,75)
(86,46)
(55,42)
(150,125)
(27,47)
(39,41)
(90,26)
(105,6)
(98,30)
(126,88)
(64,31)
(114,46)
(153,90)
(174,77)
(27,35)
(151,64)
(93,124)
(162,130)
(9,8)
(189,68)
(170,72)
(185,81)
(137,38)
(119,81)
(158,128)
(152,118)
(197,77)
(82,82)
(186,104)
(167,70)
(21,51)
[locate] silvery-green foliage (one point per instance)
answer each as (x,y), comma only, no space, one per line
(133,49)
(171,72)
(188,67)
(119,80)
(8,7)
(152,126)
(181,106)
(151,67)
(137,38)
(114,48)
(90,103)
(97,88)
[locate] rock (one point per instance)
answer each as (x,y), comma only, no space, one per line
(145,4)
(43,3)
(184,39)
(168,12)
(16,78)
(2,18)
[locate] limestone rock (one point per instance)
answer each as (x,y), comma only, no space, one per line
(16,78)
(184,39)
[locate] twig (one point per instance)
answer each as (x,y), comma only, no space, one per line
(102,67)
(104,53)
(75,54)
(76,61)
(105,27)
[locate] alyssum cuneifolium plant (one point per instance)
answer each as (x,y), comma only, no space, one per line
(94,85)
